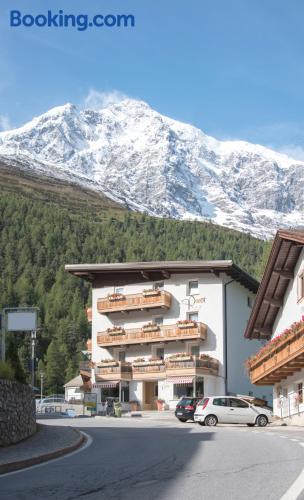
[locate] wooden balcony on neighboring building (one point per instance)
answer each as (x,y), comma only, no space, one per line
(153,334)
(283,360)
(134,302)
(113,370)
(191,365)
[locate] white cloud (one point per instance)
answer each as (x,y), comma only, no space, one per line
(5,123)
(99,100)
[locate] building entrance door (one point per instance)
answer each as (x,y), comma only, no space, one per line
(149,396)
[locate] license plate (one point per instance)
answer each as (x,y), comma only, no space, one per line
(179,413)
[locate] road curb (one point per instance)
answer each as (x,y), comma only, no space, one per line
(22,464)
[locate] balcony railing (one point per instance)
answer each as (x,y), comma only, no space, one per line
(115,370)
(133,302)
(284,359)
(163,333)
(192,366)
(149,370)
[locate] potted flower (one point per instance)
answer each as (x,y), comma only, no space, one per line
(139,361)
(181,356)
(160,403)
(186,323)
(150,327)
(113,297)
(116,330)
(108,363)
(150,292)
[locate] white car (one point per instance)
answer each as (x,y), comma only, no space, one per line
(230,410)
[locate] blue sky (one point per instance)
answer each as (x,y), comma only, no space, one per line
(234,68)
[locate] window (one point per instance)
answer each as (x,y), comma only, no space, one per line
(301,286)
(249,301)
(125,392)
(195,350)
(156,390)
(159,285)
(159,320)
(160,352)
(199,388)
(220,401)
(120,355)
(182,390)
(238,403)
(193,316)
(300,392)
(119,290)
(192,287)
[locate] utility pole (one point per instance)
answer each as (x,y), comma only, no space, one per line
(33,337)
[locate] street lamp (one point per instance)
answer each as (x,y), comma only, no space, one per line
(41,385)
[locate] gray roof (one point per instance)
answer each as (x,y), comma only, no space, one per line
(74,382)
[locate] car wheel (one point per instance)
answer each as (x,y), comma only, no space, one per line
(211,420)
(201,423)
(182,420)
(251,425)
(262,421)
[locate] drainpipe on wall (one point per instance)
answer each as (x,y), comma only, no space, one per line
(225,336)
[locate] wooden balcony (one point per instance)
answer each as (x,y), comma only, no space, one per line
(277,364)
(164,333)
(134,302)
(85,368)
(192,366)
(149,370)
(118,370)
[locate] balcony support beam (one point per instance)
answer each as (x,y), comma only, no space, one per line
(284,273)
(274,302)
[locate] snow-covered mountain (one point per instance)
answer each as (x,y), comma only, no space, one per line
(166,168)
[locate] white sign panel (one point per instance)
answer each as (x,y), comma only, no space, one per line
(21,321)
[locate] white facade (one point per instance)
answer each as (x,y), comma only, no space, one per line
(225,320)
(285,393)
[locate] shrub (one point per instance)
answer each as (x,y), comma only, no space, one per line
(6,371)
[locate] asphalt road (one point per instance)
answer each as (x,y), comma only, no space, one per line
(151,459)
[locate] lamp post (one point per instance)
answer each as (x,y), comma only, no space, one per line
(33,337)
(41,385)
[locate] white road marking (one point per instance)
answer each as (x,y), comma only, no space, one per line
(284,437)
(301,444)
(89,441)
(295,489)
(295,440)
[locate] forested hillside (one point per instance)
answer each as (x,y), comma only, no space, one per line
(37,239)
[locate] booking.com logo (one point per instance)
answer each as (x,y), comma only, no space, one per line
(79,21)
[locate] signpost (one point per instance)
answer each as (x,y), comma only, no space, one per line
(19,319)
(90,402)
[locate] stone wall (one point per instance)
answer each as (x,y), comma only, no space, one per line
(17,412)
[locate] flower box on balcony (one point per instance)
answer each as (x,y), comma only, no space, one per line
(147,362)
(108,363)
(179,357)
(116,331)
(150,327)
(113,297)
(151,292)
(186,324)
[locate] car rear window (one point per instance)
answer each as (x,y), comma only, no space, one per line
(185,402)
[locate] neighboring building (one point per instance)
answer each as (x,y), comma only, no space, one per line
(73,390)
(161,330)
(277,316)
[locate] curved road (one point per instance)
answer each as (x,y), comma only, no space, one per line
(163,459)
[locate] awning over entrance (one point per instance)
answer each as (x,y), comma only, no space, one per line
(106,385)
(180,380)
